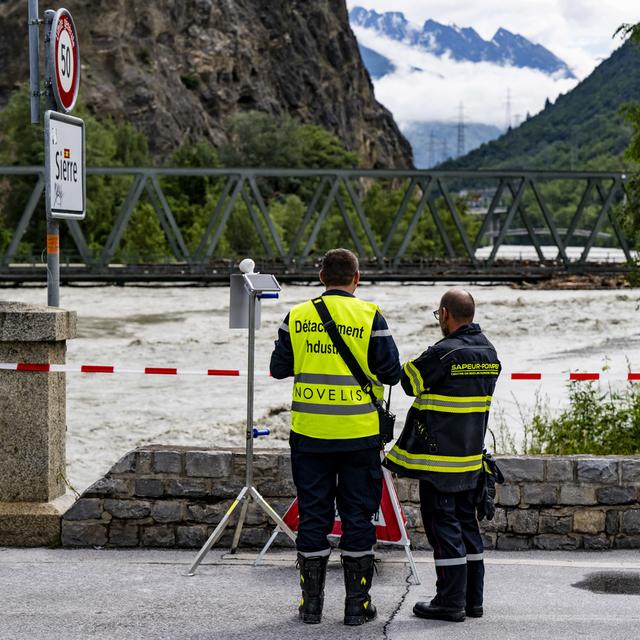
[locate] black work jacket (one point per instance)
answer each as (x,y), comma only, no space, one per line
(443,437)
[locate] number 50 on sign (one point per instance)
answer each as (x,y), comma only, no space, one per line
(65,54)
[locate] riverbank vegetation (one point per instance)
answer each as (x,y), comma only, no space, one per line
(597,421)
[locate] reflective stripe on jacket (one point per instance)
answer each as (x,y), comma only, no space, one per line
(443,437)
(328,403)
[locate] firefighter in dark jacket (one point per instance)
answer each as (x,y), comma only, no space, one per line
(335,441)
(442,445)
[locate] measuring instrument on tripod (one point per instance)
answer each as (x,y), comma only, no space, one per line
(247,289)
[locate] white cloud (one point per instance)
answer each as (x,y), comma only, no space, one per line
(578,31)
(436,90)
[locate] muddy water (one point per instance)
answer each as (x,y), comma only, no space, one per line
(547,331)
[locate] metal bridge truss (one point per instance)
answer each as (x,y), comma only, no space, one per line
(426,193)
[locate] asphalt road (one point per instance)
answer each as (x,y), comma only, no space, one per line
(145,594)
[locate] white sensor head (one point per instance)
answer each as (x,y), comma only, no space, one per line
(247,265)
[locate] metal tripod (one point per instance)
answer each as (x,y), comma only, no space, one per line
(247,492)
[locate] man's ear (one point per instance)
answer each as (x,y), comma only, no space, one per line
(321,276)
(356,277)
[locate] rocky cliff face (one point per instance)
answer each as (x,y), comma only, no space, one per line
(178,68)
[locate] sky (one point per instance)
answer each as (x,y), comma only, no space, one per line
(580,32)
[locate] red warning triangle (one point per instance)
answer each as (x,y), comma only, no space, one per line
(389,521)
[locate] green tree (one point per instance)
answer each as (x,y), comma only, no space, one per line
(255,140)
(632,112)
(258,139)
(144,240)
(108,143)
(193,198)
(632,209)
(278,141)
(323,150)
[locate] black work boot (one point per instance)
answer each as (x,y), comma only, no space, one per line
(435,611)
(313,571)
(450,599)
(358,575)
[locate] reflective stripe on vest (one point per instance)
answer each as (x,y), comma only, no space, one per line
(440,464)
(328,403)
(327,378)
(417,384)
(453,404)
(332,409)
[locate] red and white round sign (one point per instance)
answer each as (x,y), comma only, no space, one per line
(65,54)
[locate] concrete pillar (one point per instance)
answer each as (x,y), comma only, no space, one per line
(33,424)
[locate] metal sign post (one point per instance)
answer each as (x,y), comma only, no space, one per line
(256,284)
(53,226)
(64,138)
(34,60)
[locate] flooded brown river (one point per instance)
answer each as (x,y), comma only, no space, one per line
(552,332)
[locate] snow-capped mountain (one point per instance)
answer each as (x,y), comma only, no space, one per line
(377,65)
(462,44)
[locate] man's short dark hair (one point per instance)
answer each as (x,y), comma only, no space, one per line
(460,304)
(339,266)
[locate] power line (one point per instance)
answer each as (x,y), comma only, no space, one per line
(461,141)
(432,149)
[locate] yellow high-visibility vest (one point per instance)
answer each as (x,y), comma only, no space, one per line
(328,403)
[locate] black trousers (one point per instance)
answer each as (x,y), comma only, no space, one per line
(352,481)
(452,530)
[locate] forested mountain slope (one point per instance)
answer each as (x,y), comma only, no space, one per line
(583,129)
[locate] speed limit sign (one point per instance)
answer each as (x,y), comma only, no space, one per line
(65,55)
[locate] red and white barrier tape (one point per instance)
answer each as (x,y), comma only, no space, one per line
(631,376)
(99,368)
(174,371)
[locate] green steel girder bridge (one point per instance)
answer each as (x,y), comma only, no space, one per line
(510,207)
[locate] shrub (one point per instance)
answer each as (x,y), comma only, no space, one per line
(597,421)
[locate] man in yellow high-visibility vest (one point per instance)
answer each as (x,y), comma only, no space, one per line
(442,445)
(335,440)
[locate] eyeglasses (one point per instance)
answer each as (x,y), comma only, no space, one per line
(436,314)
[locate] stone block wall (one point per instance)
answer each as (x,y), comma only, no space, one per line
(174,497)
(574,502)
